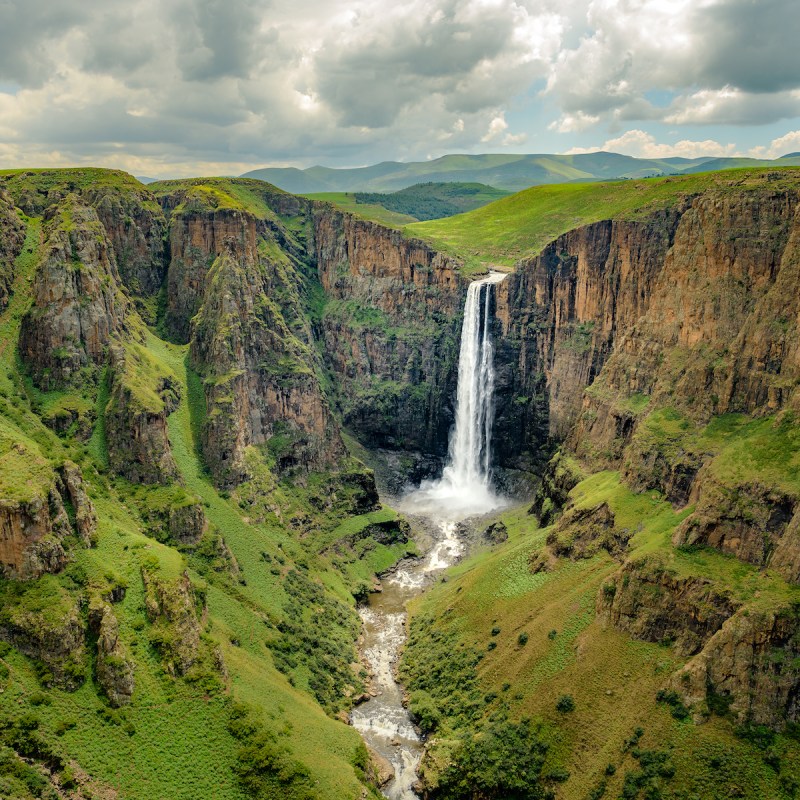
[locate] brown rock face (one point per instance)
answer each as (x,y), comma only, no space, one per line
(260,378)
(753,661)
(650,603)
(749,521)
(391,330)
(133,220)
(136,228)
(698,301)
(32,530)
(52,633)
(136,419)
(196,240)
(85,517)
(114,668)
(77,306)
(582,532)
(12,237)
(171,607)
(30,537)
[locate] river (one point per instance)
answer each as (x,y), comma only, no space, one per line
(383,721)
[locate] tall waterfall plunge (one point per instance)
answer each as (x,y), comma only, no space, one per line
(465,488)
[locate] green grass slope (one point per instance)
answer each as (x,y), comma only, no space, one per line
(497,643)
(522,224)
(279,608)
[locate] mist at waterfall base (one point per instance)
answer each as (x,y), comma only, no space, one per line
(465,489)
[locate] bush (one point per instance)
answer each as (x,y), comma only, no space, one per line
(565,704)
(673,700)
(522,639)
(502,760)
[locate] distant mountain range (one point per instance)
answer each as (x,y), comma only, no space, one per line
(510,172)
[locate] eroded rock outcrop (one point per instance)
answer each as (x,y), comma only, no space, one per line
(142,396)
(12,238)
(114,667)
(753,664)
(34,522)
(77,305)
(260,380)
(651,602)
(747,520)
(45,624)
(131,217)
(171,607)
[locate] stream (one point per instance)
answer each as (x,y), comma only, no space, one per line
(464,490)
(383,721)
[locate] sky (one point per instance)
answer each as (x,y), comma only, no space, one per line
(198,87)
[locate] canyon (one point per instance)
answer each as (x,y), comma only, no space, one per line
(206,382)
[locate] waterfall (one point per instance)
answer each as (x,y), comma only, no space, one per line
(465,486)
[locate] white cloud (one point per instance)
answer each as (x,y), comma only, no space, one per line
(496,127)
(789,143)
(572,123)
(641,144)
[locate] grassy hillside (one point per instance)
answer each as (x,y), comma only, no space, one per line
(498,642)
(510,171)
(255,714)
(375,212)
(521,225)
(422,201)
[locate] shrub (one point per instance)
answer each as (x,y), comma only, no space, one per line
(502,760)
(522,639)
(565,704)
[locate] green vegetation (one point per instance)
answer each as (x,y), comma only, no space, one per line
(425,201)
(523,224)
(375,212)
(585,684)
(223,194)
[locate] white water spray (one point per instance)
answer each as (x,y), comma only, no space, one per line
(465,488)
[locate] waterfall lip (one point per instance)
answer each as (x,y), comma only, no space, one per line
(464,489)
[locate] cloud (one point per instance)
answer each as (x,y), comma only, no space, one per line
(248,82)
(788,143)
(496,127)
(572,123)
(384,61)
(724,62)
(640,144)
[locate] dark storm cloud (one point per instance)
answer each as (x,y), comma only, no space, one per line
(217,38)
(750,44)
(379,70)
(28,28)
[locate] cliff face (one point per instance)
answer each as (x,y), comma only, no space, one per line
(34,523)
(142,397)
(390,331)
(77,305)
(196,239)
(261,386)
(12,237)
(133,220)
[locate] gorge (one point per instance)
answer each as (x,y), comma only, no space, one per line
(205,382)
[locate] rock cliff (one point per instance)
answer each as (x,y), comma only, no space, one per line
(12,237)
(77,304)
(390,330)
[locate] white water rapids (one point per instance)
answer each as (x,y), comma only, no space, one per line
(464,490)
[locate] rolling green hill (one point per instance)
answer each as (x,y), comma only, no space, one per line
(423,201)
(505,171)
(522,224)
